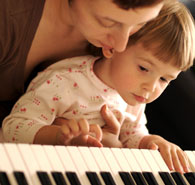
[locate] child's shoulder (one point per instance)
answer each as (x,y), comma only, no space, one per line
(74,62)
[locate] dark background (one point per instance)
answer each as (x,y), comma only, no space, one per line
(172,115)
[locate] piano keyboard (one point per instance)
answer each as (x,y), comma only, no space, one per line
(24,164)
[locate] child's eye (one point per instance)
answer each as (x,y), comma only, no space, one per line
(143,68)
(164,80)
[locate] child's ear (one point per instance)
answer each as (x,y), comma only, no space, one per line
(108,53)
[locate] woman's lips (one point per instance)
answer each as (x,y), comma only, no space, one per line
(105,46)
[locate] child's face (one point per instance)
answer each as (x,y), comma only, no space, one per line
(106,25)
(138,76)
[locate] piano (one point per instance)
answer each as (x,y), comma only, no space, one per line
(25,164)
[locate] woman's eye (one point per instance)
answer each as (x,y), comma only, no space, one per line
(143,68)
(107,23)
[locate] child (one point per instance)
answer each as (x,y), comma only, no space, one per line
(76,90)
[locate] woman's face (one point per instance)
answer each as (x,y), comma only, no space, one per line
(106,25)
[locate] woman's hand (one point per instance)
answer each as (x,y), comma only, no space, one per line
(173,155)
(78,133)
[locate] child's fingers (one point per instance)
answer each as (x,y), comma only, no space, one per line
(94,128)
(60,121)
(112,123)
(176,161)
(83,126)
(166,155)
(183,160)
(91,141)
(65,129)
(64,135)
(74,127)
(152,146)
(85,140)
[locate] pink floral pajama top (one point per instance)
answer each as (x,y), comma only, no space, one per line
(70,89)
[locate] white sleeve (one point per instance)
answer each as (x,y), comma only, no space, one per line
(38,107)
(133,128)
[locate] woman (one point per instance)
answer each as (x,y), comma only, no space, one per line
(37,31)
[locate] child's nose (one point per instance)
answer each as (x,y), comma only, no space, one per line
(151,86)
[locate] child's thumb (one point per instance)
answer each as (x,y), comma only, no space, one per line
(111,122)
(153,146)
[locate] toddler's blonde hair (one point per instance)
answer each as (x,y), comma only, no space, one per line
(170,36)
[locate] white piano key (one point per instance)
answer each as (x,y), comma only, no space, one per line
(131,160)
(159,160)
(101,161)
(191,157)
(144,165)
(122,161)
(140,160)
(42,160)
(6,166)
(79,163)
(136,170)
(90,161)
(30,162)
(17,161)
(115,168)
(67,160)
(153,165)
(54,159)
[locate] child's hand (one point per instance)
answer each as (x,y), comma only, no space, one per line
(111,129)
(174,157)
(78,133)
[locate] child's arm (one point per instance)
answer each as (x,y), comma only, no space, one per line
(174,157)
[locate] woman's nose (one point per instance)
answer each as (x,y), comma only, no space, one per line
(119,38)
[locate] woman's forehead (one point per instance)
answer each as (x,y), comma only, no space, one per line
(128,17)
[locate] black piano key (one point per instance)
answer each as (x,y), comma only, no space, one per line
(127,178)
(166,177)
(73,179)
(20,178)
(178,178)
(44,178)
(138,177)
(190,176)
(4,179)
(93,178)
(150,178)
(59,179)
(107,178)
